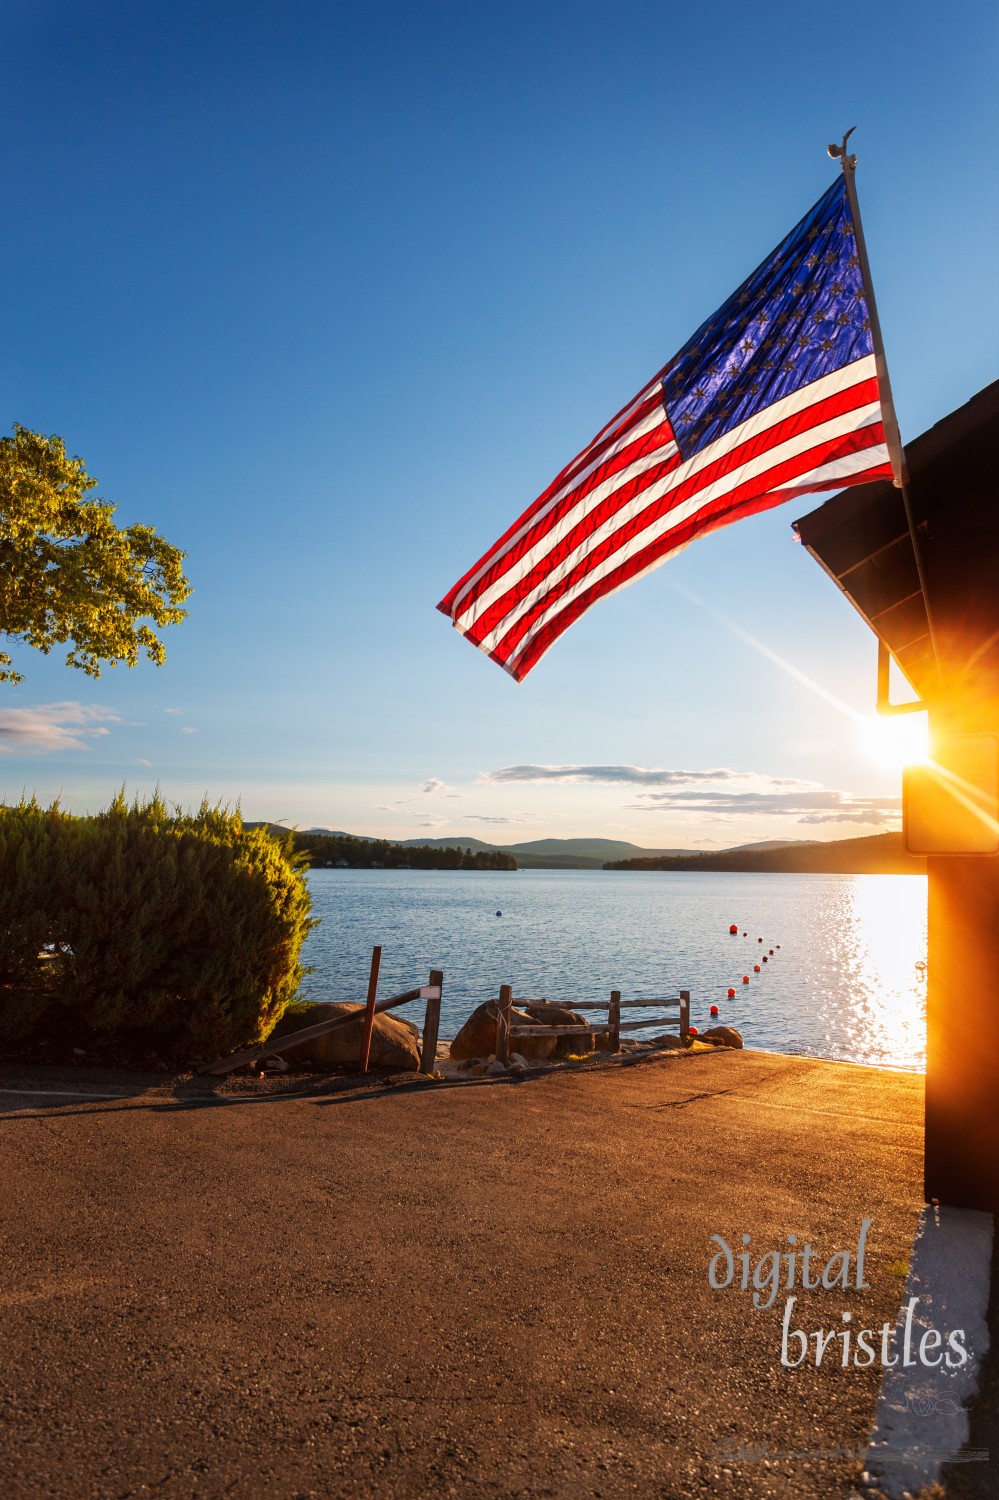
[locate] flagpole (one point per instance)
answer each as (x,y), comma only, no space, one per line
(893,438)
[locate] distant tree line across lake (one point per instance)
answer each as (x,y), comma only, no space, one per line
(878,854)
(324,850)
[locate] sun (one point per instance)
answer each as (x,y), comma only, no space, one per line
(896,740)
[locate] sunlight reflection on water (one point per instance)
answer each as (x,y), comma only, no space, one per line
(843,984)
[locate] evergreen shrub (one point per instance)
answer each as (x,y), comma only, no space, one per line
(145,931)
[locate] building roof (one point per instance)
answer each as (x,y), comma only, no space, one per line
(861,538)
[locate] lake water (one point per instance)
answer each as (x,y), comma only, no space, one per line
(846,982)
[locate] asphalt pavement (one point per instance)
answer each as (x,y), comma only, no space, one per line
(399,1288)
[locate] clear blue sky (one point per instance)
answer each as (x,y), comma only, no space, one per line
(329,292)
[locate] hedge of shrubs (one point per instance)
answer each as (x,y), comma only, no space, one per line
(145,932)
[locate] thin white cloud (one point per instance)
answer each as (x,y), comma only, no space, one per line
(173,710)
(638,776)
(188,729)
(141,762)
(52,727)
(431,785)
(806,805)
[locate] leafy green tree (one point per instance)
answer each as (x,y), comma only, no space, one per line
(68,573)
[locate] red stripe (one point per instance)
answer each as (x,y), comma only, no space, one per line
(660,440)
(754,496)
(559,551)
(604,439)
(673,542)
(823,411)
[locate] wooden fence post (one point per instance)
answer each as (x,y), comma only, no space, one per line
(684,1014)
(614,1020)
(432,1024)
(369,1011)
(503,1024)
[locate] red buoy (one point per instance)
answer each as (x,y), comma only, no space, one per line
(778,945)
(714,1010)
(771,953)
(764,958)
(745,978)
(733,929)
(745,934)
(731,994)
(759,940)
(756,968)
(692,1030)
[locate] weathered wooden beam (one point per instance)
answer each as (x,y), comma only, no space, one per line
(431,1022)
(614,1017)
(282,1044)
(364,1057)
(644,1025)
(646,1004)
(503,1023)
(596,1004)
(516,1031)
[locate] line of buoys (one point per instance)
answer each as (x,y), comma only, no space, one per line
(757,968)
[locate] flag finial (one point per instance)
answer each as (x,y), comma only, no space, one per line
(838,153)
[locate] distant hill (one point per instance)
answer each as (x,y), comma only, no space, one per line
(879,854)
(554,854)
(460,841)
(766,844)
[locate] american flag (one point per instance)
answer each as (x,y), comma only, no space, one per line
(774,396)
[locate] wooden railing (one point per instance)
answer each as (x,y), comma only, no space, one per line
(507,1032)
(279,1045)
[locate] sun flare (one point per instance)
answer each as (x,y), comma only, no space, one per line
(896,741)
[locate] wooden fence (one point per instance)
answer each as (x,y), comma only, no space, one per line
(507,1033)
(279,1045)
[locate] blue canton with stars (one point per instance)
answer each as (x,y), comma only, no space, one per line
(801,315)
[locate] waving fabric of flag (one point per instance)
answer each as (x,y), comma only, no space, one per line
(774,396)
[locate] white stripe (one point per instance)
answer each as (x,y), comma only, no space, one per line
(839,469)
(800,400)
(828,476)
(618,421)
(655,418)
(477,606)
(825,431)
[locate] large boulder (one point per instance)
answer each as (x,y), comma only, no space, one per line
(477,1038)
(556,1015)
(393,1041)
(722,1036)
